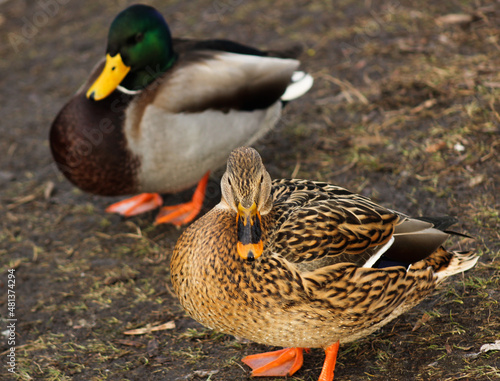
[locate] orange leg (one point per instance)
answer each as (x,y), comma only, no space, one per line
(329,364)
(284,362)
(136,205)
(183,213)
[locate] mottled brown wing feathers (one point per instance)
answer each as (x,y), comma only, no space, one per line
(364,297)
(314,220)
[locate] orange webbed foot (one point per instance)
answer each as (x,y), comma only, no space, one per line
(284,362)
(329,364)
(183,213)
(132,206)
(178,214)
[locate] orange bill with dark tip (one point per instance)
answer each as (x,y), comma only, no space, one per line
(250,245)
(250,251)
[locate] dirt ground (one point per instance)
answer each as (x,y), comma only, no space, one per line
(405,109)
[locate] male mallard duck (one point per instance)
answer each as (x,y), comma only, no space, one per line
(160,113)
(303,264)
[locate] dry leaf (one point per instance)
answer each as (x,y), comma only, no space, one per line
(424,105)
(130,343)
(448,348)
(21,200)
(435,147)
(49,189)
(455,18)
(424,319)
(149,329)
(476,180)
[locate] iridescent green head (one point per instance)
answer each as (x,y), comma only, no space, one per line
(139,50)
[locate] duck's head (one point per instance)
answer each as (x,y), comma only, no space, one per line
(139,50)
(246,189)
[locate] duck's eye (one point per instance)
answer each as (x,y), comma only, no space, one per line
(134,39)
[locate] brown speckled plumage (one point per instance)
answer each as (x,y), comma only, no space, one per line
(309,287)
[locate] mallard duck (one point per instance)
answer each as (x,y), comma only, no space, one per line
(160,113)
(304,264)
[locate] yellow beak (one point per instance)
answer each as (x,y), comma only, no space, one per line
(250,245)
(113,73)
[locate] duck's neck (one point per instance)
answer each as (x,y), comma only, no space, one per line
(141,78)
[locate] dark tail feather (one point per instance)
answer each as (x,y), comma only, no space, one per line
(293,51)
(181,44)
(417,238)
(443,223)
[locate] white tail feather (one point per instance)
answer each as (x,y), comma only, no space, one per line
(301,83)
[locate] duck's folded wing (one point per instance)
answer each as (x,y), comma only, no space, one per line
(366,298)
(211,80)
(324,224)
(362,297)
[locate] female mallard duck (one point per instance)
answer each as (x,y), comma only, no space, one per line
(303,264)
(159,114)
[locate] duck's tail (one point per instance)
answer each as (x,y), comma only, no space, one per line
(459,262)
(300,84)
(446,263)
